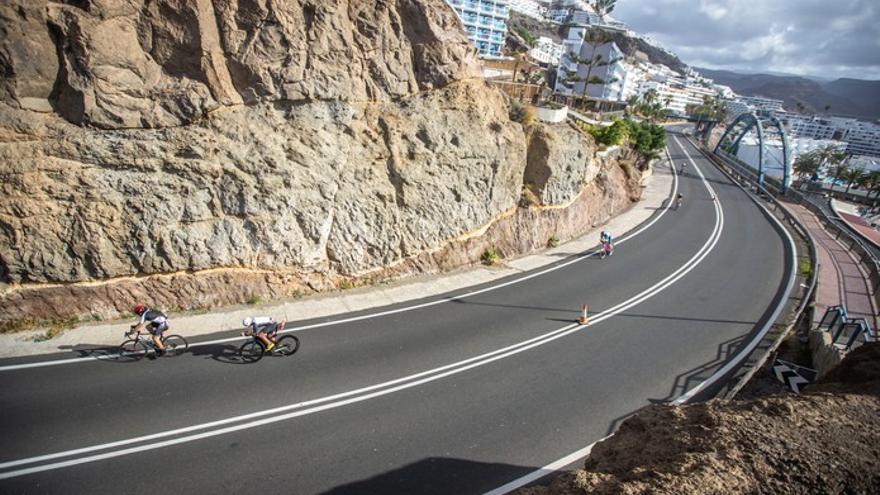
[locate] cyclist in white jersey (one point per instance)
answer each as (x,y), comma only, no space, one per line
(261,326)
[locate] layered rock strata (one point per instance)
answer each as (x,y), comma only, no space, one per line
(193,154)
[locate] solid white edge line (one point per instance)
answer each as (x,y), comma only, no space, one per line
(770,321)
(544,471)
(582,453)
(578,258)
(516,349)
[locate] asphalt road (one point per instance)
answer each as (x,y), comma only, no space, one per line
(457,397)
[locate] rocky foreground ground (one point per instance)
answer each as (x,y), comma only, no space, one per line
(825,440)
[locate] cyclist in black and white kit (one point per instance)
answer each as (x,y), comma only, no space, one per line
(155,321)
(261,327)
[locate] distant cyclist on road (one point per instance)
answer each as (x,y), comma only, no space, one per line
(681,170)
(607,241)
(679,200)
(262,327)
(155,321)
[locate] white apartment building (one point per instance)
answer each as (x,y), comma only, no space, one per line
(589,18)
(735,108)
(676,92)
(862,138)
(559,10)
(632,79)
(612,73)
(762,104)
(546,51)
(738,105)
(725,91)
(866,163)
(485,22)
(536,9)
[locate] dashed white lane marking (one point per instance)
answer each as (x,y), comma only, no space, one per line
(630,235)
(359,395)
(584,452)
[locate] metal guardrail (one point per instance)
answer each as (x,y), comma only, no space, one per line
(867,254)
(761,354)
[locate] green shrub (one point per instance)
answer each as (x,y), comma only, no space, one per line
(646,138)
(490,256)
(56,327)
(805,267)
(526,35)
(611,135)
(254,299)
(552,242)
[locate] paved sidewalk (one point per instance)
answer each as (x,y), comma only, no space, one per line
(656,191)
(841,279)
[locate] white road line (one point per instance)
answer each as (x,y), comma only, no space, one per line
(582,257)
(736,360)
(544,471)
(381,389)
(584,452)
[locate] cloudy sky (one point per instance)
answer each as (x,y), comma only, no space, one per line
(823,38)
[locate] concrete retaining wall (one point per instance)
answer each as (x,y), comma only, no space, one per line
(551,115)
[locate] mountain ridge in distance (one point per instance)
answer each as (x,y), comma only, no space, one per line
(845,96)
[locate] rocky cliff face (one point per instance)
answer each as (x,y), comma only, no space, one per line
(117,64)
(291,143)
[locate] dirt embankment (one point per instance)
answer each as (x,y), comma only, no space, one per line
(826,440)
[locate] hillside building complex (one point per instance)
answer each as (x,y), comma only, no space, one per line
(536,9)
(546,51)
(861,138)
(485,22)
(737,105)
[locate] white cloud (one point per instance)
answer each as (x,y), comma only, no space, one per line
(814,37)
(713,10)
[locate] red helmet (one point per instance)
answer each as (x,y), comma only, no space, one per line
(139,309)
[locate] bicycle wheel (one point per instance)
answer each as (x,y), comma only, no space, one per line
(251,352)
(287,345)
(132,350)
(175,345)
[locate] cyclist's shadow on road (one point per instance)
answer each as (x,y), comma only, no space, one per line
(222,353)
(103,352)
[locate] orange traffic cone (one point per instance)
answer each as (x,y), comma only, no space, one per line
(584,319)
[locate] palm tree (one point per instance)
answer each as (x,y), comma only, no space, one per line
(602,7)
(866,182)
(871,182)
(851,175)
(806,165)
(875,183)
(517,58)
(831,158)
